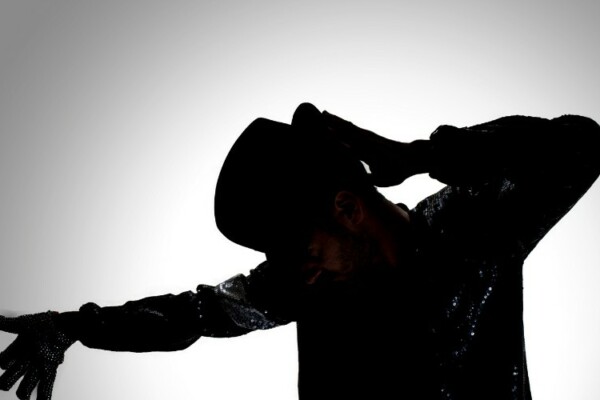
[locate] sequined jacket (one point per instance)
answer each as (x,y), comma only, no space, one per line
(449,325)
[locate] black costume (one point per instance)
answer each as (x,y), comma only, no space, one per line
(448,325)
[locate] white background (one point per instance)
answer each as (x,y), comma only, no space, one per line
(115,117)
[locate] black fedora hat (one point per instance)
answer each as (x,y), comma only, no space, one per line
(276,177)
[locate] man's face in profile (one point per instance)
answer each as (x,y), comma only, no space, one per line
(355,246)
(336,252)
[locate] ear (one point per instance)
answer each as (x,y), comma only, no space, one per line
(349,209)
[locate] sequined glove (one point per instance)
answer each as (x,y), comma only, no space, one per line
(35,354)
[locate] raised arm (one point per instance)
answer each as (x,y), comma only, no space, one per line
(509,180)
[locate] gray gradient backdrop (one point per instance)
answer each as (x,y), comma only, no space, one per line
(116,115)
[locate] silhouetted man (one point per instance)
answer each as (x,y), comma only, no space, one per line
(390,302)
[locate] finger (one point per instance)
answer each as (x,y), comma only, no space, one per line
(10,325)
(345,127)
(13,374)
(11,353)
(334,120)
(343,130)
(47,383)
(364,142)
(29,382)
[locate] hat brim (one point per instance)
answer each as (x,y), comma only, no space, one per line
(275,176)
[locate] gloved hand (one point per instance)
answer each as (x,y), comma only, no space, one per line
(35,354)
(390,162)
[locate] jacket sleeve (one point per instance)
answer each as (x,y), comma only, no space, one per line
(170,322)
(509,181)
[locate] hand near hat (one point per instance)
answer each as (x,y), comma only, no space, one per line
(390,162)
(34,355)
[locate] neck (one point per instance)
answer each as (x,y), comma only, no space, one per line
(390,231)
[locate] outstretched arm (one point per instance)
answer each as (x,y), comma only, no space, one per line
(173,322)
(160,323)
